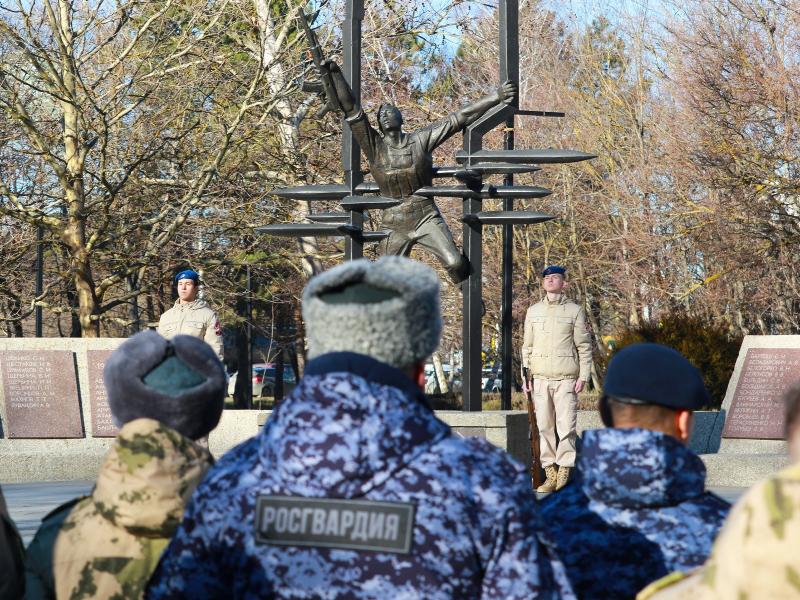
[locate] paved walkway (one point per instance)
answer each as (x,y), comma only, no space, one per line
(29,502)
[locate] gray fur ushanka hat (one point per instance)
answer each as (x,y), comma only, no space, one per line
(178,382)
(387,309)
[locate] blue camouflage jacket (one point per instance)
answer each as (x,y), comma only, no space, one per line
(420,512)
(636,510)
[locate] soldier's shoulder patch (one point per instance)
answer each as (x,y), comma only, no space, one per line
(335,523)
(217,327)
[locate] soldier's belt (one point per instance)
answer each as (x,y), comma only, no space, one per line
(412,207)
(335,523)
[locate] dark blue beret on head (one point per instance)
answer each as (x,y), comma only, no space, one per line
(654,374)
(188,274)
(554,270)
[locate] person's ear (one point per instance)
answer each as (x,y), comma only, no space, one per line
(683,425)
(793,438)
(605,411)
(418,375)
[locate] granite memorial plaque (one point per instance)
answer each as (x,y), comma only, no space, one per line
(40,393)
(756,411)
(102,424)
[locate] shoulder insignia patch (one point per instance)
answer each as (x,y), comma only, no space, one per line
(335,523)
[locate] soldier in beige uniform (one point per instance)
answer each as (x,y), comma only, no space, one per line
(557,350)
(191,316)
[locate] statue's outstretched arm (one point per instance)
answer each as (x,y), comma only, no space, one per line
(343,92)
(346,101)
(505,94)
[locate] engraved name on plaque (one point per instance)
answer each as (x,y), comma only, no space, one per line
(102,423)
(757,410)
(40,393)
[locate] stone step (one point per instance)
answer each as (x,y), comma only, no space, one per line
(741,470)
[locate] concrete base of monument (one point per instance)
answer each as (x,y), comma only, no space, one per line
(741,470)
(736,463)
(25,460)
(743,462)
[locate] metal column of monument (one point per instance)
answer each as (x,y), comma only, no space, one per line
(473,164)
(508,162)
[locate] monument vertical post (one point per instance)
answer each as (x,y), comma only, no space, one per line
(473,142)
(351,151)
(506,318)
(509,70)
(472,306)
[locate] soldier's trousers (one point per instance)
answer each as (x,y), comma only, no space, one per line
(556,412)
(418,221)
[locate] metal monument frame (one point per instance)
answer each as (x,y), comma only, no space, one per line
(473,163)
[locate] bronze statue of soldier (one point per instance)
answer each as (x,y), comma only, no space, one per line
(402,163)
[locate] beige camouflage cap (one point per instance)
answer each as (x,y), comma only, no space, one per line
(757,553)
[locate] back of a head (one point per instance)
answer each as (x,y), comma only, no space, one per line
(387,310)
(178,382)
(646,384)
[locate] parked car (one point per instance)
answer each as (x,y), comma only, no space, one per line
(491,380)
(453,378)
(264,380)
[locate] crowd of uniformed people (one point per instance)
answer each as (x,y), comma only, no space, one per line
(355,489)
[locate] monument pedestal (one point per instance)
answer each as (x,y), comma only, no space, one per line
(749,448)
(741,470)
(752,442)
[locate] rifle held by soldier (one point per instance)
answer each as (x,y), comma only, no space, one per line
(533,434)
(324,86)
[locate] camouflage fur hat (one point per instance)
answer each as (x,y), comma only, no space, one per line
(387,309)
(179,382)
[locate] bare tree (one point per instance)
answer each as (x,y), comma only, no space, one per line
(107,102)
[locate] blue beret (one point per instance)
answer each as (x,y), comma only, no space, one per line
(188,274)
(554,270)
(654,374)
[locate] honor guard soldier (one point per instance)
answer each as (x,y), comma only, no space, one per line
(557,351)
(191,315)
(354,488)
